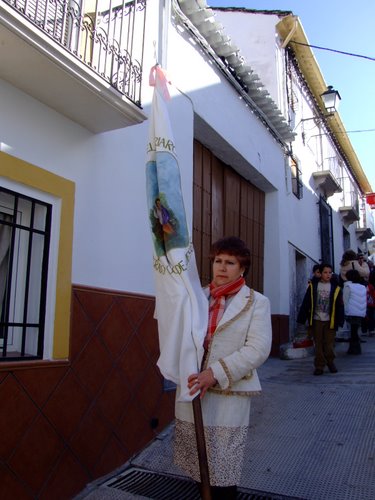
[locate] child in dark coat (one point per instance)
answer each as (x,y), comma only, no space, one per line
(323,308)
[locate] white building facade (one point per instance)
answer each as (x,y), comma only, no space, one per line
(78,338)
(325,209)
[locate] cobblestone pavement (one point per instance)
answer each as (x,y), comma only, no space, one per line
(311,437)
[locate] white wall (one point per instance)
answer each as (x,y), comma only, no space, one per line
(112,241)
(108,170)
(289,220)
(234,134)
(217,103)
(254,34)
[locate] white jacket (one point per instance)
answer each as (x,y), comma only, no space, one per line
(355,299)
(241,343)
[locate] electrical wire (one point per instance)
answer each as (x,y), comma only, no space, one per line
(356,131)
(334,50)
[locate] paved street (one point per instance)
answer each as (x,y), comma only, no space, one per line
(311,438)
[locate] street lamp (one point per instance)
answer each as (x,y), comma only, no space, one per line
(331,99)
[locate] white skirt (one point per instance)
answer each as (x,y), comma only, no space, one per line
(226,423)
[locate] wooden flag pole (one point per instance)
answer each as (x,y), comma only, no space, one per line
(201,447)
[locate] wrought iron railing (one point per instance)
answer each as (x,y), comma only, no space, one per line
(296,174)
(354,202)
(366,219)
(332,164)
(350,194)
(106,35)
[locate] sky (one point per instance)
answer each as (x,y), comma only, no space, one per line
(347,27)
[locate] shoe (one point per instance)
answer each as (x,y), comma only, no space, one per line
(332,367)
(318,371)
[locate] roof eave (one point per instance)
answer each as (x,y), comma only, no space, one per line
(218,45)
(314,78)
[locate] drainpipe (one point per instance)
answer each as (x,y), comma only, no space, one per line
(287,157)
(165,13)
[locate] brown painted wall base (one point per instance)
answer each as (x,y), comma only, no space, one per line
(66,424)
(280,333)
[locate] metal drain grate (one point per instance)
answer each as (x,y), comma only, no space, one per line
(157,486)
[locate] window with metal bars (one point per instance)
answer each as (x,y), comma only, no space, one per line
(326,232)
(297,185)
(25,226)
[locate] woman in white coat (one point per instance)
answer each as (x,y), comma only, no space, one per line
(238,341)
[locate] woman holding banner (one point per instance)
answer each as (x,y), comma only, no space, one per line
(237,342)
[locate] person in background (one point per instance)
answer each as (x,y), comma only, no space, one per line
(315,276)
(370,265)
(365,275)
(350,261)
(237,342)
(322,307)
(369,324)
(355,304)
(316,271)
(365,268)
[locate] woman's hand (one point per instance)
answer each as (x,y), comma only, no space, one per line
(201,382)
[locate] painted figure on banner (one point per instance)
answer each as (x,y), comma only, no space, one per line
(163,216)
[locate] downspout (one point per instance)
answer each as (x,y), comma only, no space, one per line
(165,13)
(287,171)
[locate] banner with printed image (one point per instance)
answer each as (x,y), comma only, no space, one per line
(181,306)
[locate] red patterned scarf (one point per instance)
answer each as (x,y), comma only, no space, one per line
(217,304)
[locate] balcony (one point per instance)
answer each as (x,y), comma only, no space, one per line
(327,183)
(84,62)
(366,226)
(364,233)
(350,212)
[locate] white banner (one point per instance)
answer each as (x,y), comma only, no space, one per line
(181,306)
